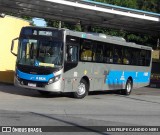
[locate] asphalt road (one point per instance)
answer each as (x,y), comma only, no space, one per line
(23,107)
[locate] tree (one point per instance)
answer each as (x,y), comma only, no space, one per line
(123,3)
(147,5)
(56,24)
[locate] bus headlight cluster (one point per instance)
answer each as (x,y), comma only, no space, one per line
(55,79)
(17,77)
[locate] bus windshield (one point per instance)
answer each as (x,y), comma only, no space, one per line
(35,52)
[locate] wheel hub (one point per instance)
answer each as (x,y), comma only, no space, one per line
(129,87)
(81,89)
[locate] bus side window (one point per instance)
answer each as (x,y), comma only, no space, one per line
(108,53)
(99,52)
(72,53)
(86,50)
(135,56)
(148,57)
(117,55)
(126,55)
(142,57)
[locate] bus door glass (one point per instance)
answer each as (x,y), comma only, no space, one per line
(71,55)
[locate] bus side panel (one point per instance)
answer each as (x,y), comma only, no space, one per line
(118,75)
(118,79)
(112,78)
(73,76)
(106,76)
(94,72)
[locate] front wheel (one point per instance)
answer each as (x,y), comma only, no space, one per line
(128,88)
(82,90)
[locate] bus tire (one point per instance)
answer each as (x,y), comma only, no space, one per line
(44,93)
(128,88)
(82,90)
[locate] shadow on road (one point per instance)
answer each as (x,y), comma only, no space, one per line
(137,99)
(73,126)
(11,89)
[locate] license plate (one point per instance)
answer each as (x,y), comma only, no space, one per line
(32,84)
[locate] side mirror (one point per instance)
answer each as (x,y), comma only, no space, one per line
(12,46)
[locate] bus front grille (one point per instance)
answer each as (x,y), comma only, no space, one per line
(37,84)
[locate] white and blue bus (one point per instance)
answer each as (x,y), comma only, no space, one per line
(61,60)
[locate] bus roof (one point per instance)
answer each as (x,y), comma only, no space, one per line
(95,36)
(106,39)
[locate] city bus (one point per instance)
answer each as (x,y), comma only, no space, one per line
(61,60)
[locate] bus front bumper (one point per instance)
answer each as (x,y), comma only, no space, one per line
(53,87)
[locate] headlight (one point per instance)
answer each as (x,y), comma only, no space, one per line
(17,77)
(55,79)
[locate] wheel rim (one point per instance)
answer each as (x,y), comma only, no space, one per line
(81,89)
(129,87)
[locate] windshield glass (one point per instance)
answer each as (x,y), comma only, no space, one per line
(40,53)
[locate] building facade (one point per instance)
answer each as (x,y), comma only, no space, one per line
(9,29)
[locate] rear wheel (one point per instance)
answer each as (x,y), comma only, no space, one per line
(82,90)
(128,88)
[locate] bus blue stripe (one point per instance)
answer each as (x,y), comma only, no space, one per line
(32,77)
(120,77)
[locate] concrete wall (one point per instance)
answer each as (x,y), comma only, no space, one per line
(9,29)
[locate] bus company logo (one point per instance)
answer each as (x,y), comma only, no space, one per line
(32,78)
(122,77)
(145,74)
(41,78)
(36,63)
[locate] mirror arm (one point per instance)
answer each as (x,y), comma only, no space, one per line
(14,54)
(12,46)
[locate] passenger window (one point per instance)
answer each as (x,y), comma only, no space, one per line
(126,56)
(117,55)
(99,53)
(142,58)
(148,58)
(86,50)
(135,56)
(108,53)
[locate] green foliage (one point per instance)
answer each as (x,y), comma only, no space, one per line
(123,3)
(22,16)
(55,24)
(129,36)
(147,5)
